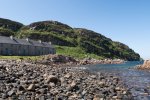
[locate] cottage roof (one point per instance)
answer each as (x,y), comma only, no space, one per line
(4,39)
(47,44)
(13,40)
(36,43)
(23,42)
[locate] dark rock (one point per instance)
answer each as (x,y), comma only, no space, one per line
(42,91)
(21,88)
(52,78)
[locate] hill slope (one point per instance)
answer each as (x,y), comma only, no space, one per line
(77,42)
(8,27)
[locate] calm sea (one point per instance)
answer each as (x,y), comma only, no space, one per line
(138,80)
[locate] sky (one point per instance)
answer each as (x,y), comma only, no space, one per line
(126,21)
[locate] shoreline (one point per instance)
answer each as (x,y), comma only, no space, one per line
(66,60)
(33,80)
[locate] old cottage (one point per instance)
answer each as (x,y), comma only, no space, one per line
(24,47)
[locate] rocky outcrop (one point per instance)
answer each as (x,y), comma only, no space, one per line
(146,65)
(105,61)
(56,59)
(67,60)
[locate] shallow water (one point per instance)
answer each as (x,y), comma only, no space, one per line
(137,80)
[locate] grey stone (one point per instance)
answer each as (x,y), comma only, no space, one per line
(10,93)
(4,96)
(42,98)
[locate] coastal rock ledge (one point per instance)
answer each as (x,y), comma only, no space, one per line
(146,65)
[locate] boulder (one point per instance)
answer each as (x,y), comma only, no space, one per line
(146,65)
(57,59)
(52,79)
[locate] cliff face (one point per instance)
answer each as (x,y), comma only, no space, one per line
(60,34)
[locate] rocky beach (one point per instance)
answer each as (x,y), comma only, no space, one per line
(28,80)
(74,50)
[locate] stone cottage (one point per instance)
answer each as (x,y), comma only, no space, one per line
(24,47)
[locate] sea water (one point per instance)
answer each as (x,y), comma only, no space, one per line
(137,80)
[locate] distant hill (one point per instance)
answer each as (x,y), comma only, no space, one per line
(77,42)
(8,27)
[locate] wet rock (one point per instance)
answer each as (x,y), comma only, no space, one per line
(144,94)
(145,66)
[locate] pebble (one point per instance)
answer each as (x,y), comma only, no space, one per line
(11,92)
(67,75)
(31,87)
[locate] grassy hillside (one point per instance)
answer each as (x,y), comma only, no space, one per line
(8,27)
(76,42)
(75,52)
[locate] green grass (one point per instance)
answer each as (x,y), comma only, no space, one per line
(75,52)
(21,57)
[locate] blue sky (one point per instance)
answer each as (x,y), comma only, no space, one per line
(127,21)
